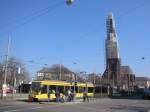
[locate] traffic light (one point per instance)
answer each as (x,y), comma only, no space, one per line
(75,83)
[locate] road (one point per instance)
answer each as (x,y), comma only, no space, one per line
(98,105)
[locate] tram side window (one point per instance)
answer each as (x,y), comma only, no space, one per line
(80,89)
(76,89)
(66,90)
(85,89)
(90,89)
(53,87)
(43,89)
(61,89)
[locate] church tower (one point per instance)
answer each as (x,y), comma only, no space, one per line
(112,72)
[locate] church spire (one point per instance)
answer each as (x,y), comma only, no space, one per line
(112,48)
(111,31)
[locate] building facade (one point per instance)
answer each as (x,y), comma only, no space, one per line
(54,74)
(142,82)
(127,78)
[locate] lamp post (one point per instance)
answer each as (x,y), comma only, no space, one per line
(128,84)
(17,70)
(20,83)
(14,80)
(60,72)
(74,86)
(75,83)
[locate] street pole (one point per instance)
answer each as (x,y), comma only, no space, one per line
(8,48)
(108,92)
(129,85)
(101,85)
(94,83)
(14,81)
(6,67)
(60,72)
(74,87)
(113,84)
(20,83)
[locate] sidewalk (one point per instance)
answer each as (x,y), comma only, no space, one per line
(12,97)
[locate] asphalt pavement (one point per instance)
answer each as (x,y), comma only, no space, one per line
(95,105)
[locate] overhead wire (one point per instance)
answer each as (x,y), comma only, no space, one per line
(36,14)
(133,9)
(41,12)
(120,16)
(129,11)
(24,17)
(27,19)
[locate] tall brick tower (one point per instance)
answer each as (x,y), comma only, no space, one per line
(112,72)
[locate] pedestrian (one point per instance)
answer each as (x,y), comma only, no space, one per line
(62,98)
(57,94)
(72,96)
(49,95)
(66,96)
(85,96)
(69,96)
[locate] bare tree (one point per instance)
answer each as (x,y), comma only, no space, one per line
(16,72)
(94,78)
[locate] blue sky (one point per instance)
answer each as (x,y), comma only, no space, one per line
(75,33)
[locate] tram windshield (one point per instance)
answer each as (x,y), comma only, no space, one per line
(35,87)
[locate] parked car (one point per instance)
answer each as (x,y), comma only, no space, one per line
(9,90)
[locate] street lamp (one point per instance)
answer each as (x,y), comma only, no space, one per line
(69,2)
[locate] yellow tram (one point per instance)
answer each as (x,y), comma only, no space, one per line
(39,89)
